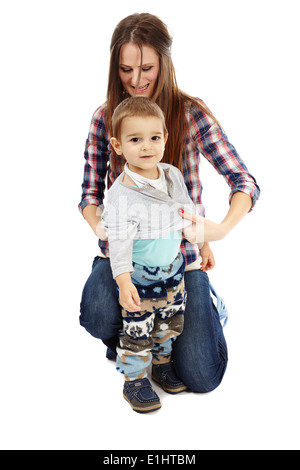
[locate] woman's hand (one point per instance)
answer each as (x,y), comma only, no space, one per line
(208,259)
(203,230)
(101,232)
(92,215)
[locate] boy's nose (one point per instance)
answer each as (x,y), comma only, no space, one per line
(146,145)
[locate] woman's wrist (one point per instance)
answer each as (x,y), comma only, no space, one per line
(239,207)
(92,215)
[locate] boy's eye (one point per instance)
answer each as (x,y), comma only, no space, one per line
(155,137)
(135,139)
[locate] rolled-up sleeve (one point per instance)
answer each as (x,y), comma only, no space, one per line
(96,156)
(216,148)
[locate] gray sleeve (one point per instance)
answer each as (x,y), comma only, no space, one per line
(120,232)
(120,252)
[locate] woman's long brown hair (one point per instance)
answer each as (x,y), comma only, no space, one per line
(146,29)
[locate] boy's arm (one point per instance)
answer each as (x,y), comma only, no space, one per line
(128,294)
(121,234)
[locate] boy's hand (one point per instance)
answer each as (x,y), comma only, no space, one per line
(208,260)
(129,298)
(128,295)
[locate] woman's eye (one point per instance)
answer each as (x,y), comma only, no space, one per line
(144,69)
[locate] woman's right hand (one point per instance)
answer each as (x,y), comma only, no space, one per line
(92,215)
(101,232)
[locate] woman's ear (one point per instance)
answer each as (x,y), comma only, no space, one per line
(116,145)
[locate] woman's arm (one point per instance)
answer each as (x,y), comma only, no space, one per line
(92,215)
(96,156)
(205,230)
(214,145)
(241,204)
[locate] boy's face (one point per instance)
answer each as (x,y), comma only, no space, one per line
(142,143)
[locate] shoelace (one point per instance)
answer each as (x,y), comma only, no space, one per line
(221,307)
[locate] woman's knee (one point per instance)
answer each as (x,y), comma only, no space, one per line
(99,308)
(202,380)
(208,381)
(200,352)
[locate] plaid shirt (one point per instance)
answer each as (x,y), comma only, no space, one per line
(205,137)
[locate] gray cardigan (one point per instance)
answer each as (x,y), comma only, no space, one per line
(133,213)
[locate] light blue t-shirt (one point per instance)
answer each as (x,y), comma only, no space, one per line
(158,251)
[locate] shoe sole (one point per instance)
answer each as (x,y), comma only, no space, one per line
(143,410)
(173,391)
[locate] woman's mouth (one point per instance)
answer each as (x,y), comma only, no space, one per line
(142,89)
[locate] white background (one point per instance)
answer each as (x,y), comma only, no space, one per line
(57,389)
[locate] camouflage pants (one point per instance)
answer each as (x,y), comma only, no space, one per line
(147,336)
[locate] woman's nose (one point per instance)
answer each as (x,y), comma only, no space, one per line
(135,77)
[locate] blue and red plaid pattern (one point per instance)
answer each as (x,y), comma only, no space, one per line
(204,137)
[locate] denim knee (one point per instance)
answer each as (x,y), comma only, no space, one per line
(200,353)
(207,380)
(100,311)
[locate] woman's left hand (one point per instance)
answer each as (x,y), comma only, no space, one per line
(202,230)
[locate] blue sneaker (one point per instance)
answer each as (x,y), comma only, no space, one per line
(141,396)
(165,376)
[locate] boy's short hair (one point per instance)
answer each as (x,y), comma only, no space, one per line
(135,106)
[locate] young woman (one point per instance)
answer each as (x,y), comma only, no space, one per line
(141,65)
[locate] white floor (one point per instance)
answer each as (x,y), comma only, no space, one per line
(60,392)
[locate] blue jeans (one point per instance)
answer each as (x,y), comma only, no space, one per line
(199,353)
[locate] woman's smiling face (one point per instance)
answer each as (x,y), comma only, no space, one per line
(129,69)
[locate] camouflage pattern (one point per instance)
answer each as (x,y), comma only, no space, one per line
(147,336)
